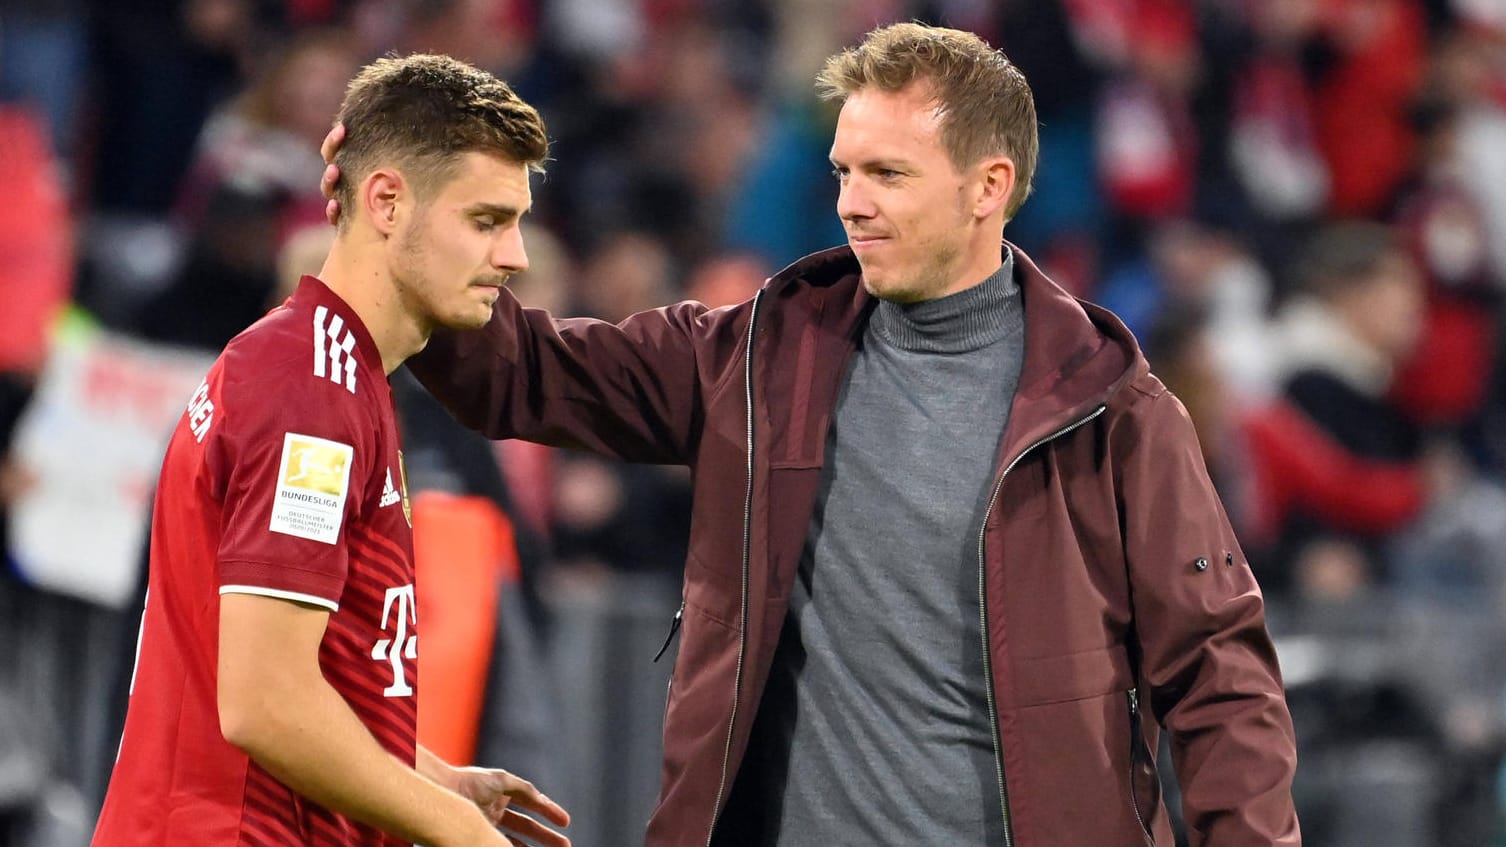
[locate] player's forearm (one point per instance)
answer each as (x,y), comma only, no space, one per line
(314,743)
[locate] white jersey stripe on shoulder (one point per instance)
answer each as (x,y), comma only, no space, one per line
(348,345)
(340,357)
(336,324)
(336,342)
(319,314)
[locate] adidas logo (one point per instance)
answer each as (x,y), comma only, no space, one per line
(390,494)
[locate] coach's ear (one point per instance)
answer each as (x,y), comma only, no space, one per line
(382,196)
(993,186)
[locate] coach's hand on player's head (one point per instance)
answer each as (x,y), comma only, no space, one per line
(498,794)
(331,176)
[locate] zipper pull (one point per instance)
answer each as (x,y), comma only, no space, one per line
(674,627)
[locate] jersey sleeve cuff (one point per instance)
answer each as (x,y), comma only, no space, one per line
(281,595)
(292,583)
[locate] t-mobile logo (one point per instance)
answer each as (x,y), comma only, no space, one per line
(401,612)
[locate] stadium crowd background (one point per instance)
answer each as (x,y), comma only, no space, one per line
(1213,170)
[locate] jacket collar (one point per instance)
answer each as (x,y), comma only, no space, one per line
(1077,355)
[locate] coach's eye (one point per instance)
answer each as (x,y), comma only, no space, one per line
(485,224)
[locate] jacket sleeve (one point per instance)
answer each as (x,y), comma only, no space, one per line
(631,390)
(1205,654)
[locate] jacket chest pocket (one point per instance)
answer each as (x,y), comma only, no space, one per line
(1073,676)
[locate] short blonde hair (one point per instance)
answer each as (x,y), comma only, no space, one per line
(986,106)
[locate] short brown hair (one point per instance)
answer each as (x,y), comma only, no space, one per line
(423,112)
(1344,255)
(987,108)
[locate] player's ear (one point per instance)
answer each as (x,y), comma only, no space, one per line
(382,193)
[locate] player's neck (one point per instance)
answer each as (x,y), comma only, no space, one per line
(364,283)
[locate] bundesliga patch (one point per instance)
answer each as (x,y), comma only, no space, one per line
(312,481)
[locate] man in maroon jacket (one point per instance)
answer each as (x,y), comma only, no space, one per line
(955,558)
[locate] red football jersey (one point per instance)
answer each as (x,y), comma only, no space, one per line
(284,479)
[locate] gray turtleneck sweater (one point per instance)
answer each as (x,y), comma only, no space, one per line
(874,727)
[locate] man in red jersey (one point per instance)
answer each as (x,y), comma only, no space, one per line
(275,695)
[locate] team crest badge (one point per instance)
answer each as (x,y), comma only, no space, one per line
(402,475)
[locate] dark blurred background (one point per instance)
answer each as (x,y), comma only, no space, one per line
(1299,206)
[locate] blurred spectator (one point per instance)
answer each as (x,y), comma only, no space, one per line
(607,514)
(726,281)
(1335,457)
(1472,73)
(266,141)
(1048,43)
(1147,144)
(788,172)
(1442,384)
(551,271)
(163,66)
(627,273)
(228,275)
(498,35)
(35,275)
(253,184)
(1368,63)
(36,240)
(36,272)
(44,61)
(784,203)
(669,130)
(1273,143)
(302,253)
(1181,348)
(1193,266)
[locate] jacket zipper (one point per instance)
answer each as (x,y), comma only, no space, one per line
(1134,710)
(674,627)
(988,664)
(742,632)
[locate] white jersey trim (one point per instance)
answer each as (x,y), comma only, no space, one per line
(280,595)
(331,335)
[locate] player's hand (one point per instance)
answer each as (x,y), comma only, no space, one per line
(499,794)
(331,176)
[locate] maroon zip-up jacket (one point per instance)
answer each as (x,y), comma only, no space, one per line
(1115,595)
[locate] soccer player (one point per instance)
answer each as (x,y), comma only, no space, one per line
(275,694)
